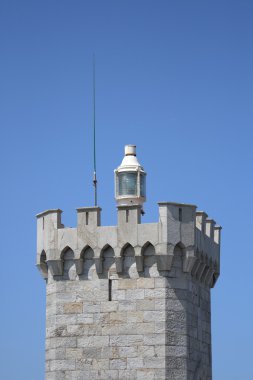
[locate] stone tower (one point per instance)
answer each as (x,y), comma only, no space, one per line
(130,301)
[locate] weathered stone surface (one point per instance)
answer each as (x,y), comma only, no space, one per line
(73,308)
(140,312)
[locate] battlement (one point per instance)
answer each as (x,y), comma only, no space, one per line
(179,225)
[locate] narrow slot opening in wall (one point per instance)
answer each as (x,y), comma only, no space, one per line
(87,218)
(110,290)
(127,215)
(43,222)
(180,215)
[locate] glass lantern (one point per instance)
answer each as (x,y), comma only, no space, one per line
(130,180)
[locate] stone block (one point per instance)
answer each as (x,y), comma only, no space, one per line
(154,339)
(134,316)
(58,365)
(119,295)
(75,330)
(126,374)
(146,351)
(155,362)
(126,305)
(108,374)
(92,352)
(91,307)
(73,308)
(84,364)
(127,283)
(107,307)
(61,342)
(74,353)
(55,353)
(146,304)
(100,364)
(156,293)
(101,318)
(93,341)
(84,318)
(118,317)
(154,316)
(134,294)
(176,363)
(118,363)
(145,283)
(55,375)
(59,320)
(160,304)
(147,374)
(127,352)
(134,363)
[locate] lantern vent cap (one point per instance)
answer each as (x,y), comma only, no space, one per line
(130,161)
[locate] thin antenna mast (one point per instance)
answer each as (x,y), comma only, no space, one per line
(94,134)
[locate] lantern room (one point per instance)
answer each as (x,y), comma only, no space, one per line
(130,180)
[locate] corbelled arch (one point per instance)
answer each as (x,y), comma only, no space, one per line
(128,261)
(148,249)
(149,260)
(87,252)
(69,268)
(107,257)
(42,264)
(87,263)
(178,256)
(66,252)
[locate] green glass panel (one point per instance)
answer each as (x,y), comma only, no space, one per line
(143,185)
(127,183)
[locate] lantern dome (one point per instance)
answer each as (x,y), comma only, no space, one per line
(130,180)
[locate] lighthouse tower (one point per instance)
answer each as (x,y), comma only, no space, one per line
(130,301)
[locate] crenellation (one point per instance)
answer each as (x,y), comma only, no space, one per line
(54,240)
(210,223)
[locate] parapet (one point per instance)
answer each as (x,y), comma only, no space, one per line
(179,225)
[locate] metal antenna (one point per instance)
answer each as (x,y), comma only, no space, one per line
(94,134)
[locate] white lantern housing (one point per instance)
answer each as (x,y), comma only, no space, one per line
(130,180)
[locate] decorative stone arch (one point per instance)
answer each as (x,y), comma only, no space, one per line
(87,262)
(65,252)
(107,259)
(179,253)
(202,266)
(68,260)
(146,246)
(128,261)
(86,252)
(208,264)
(197,264)
(42,264)
(149,260)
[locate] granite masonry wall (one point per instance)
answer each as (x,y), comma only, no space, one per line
(130,301)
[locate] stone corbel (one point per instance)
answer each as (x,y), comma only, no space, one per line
(189,259)
(164,262)
(196,267)
(99,264)
(138,258)
(79,266)
(200,270)
(209,276)
(119,264)
(43,269)
(139,263)
(55,267)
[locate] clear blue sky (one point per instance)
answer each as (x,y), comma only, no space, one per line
(173,77)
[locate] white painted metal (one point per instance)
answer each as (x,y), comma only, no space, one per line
(124,184)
